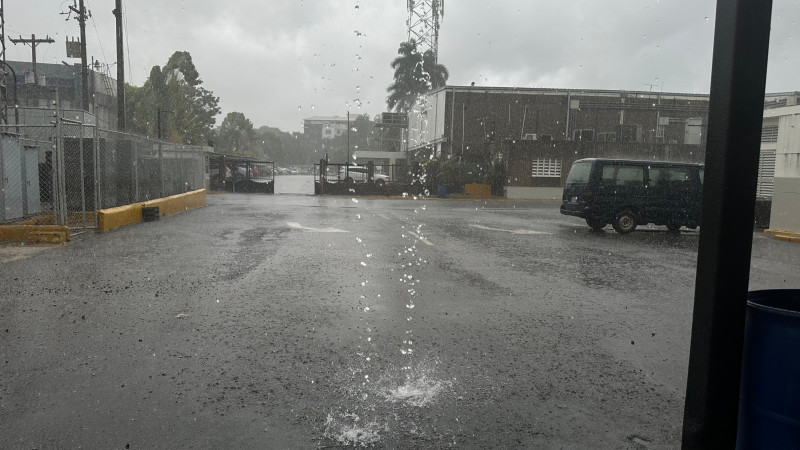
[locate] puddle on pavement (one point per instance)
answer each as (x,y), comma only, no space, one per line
(384,407)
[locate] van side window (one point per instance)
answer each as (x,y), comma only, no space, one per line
(680,177)
(630,176)
(658,176)
(609,173)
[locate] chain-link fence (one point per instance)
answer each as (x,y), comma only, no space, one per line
(62,173)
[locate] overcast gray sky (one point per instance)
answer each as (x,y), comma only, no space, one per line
(279,61)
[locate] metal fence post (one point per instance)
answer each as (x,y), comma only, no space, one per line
(96,167)
(62,180)
(54,195)
(161,167)
(81,148)
(135,157)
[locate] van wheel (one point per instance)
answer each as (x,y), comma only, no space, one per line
(674,227)
(625,222)
(595,223)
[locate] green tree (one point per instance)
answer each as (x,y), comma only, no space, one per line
(414,74)
(176,88)
(236,135)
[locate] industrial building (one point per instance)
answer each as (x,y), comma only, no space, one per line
(540,132)
(779,164)
(57,87)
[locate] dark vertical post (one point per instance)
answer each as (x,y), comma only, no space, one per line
(348,140)
(120,69)
(33,60)
(738,77)
(84,62)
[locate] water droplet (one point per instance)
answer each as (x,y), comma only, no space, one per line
(706,18)
(644,36)
(366,309)
(363,264)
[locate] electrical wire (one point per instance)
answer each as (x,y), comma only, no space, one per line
(99,41)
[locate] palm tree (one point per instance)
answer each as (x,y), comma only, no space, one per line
(414,75)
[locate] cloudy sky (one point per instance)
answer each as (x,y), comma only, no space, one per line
(279,61)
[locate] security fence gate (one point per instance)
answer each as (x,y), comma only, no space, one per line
(68,170)
(241,174)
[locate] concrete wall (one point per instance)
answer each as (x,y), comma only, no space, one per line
(534,193)
(785,214)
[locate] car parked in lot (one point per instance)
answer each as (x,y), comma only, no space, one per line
(627,193)
(360,174)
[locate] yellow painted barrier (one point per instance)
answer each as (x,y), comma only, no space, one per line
(178,203)
(111,218)
(786,236)
(35,234)
(478,189)
(108,219)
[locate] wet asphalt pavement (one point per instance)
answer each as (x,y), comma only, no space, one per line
(293,321)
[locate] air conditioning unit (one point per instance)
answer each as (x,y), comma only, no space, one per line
(529,137)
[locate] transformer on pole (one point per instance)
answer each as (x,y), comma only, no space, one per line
(423,24)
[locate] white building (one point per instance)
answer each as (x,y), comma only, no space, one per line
(324,127)
(779,166)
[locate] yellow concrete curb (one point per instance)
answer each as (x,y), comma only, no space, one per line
(111,218)
(178,203)
(785,236)
(35,234)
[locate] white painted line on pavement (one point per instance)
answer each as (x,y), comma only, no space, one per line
(422,239)
(297,226)
(382,216)
(520,231)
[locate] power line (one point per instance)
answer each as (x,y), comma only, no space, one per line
(99,41)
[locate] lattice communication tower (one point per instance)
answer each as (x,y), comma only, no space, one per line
(3,90)
(423,24)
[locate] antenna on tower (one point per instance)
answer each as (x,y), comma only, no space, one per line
(423,24)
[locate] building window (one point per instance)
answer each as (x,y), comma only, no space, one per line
(766,173)
(585,135)
(607,137)
(769,134)
(327,132)
(546,167)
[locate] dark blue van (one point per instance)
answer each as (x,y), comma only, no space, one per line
(627,193)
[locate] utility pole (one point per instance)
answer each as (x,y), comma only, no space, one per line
(348,140)
(33,42)
(120,69)
(81,17)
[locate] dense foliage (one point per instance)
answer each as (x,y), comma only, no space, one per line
(415,74)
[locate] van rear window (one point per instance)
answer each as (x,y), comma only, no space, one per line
(579,173)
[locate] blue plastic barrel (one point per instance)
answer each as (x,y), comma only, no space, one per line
(769,402)
(442,191)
